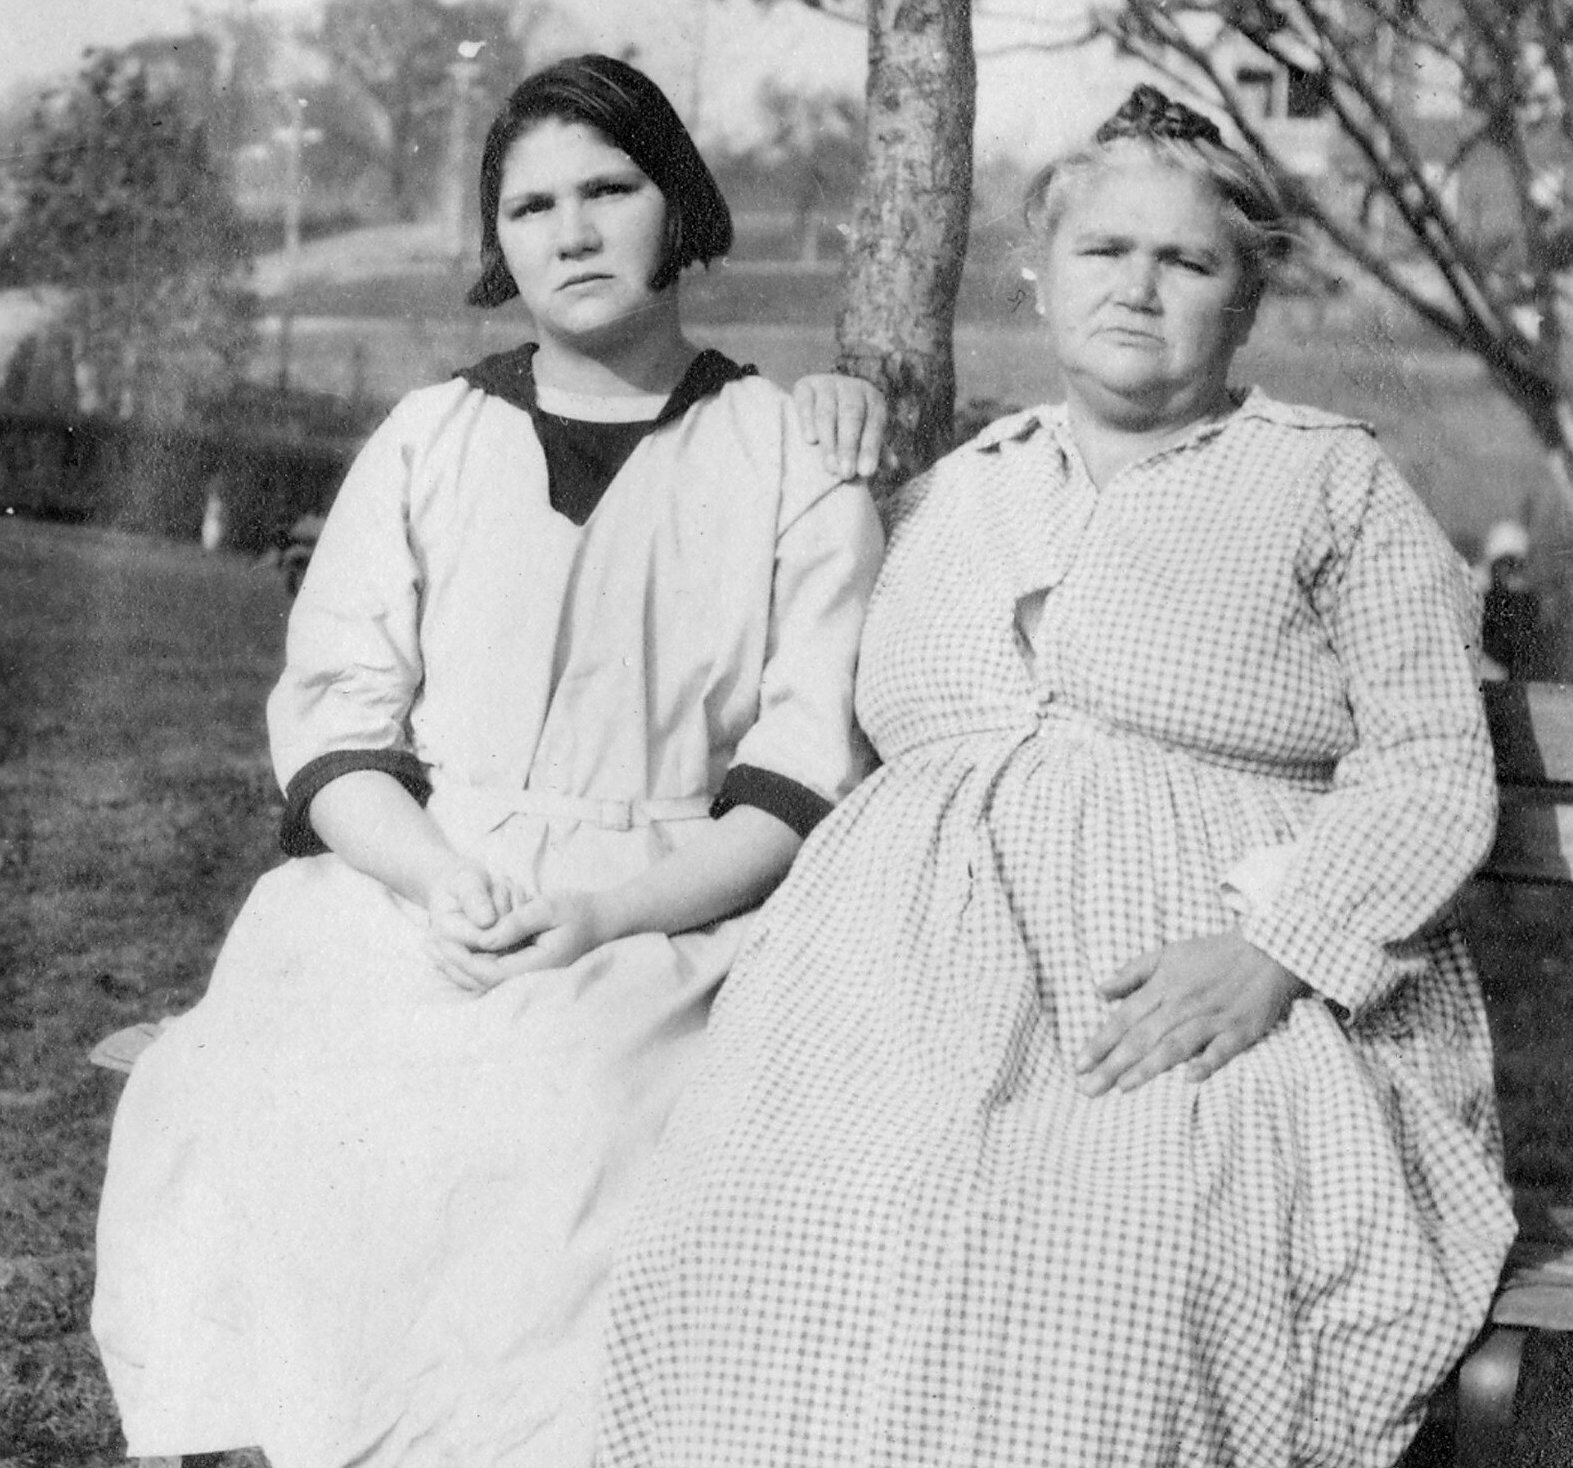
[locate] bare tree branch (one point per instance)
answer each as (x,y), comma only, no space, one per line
(1503,292)
(1068,41)
(1400,170)
(853,12)
(1556,21)
(1064,38)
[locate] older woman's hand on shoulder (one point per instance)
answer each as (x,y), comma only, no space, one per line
(1196,1003)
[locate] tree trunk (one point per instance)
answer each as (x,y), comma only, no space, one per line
(910,229)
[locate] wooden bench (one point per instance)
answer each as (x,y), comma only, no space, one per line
(1532,733)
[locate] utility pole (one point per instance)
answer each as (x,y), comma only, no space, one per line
(294,136)
(461,169)
(696,66)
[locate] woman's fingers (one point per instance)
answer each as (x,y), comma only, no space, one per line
(541,933)
(853,407)
(838,423)
(529,959)
(1142,1039)
(846,417)
(1124,1037)
(461,966)
(1196,1003)
(859,428)
(480,970)
(480,909)
(872,439)
(452,925)
(805,398)
(469,894)
(1182,1045)
(1131,976)
(1218,1053)
(817,399)
(517,927)
(562,928)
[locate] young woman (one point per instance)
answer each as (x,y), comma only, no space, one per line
(567,684)
(1107,1086)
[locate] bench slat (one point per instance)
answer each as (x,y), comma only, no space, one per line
(119,1051)
(1534,840)
(1537,1285)
(1531,732)
(1532,738)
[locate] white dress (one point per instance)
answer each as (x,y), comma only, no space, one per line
(355,1215)
(885,1228)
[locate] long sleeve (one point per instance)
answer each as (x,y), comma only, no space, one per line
(1411,810)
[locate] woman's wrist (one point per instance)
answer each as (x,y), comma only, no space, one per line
(612,914)
(432,871)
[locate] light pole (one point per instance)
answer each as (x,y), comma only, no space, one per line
(696,70)
(456,191)
(295,135)
(460,211)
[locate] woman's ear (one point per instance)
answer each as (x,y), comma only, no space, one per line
(1242,318)
(1030,275)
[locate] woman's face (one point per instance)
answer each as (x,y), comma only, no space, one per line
(582,229)
(1140,291)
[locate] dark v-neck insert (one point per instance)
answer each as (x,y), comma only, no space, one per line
(583,457)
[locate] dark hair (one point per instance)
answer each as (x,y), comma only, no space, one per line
(632,113)
(1180,137)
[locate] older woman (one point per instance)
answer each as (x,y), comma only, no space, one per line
(1107,1083)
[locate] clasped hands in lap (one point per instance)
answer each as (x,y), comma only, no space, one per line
(485,928)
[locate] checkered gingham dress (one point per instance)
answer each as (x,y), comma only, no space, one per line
(887,1229)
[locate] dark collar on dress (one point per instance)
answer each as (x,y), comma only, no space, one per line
(510,376)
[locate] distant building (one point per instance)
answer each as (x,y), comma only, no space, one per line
(1289,106)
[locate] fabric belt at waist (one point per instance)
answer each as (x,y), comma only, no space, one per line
(497,802)
(614,815)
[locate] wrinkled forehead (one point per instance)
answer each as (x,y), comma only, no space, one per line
(1143,205)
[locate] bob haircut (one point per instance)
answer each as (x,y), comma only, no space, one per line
(1251,207)
(631,113)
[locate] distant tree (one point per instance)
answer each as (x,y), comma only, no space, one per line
(245,100)
(117,203)
(398,57)
(1429,97)
(814,150)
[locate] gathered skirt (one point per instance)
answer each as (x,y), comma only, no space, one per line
(886,1229)
(355,1215)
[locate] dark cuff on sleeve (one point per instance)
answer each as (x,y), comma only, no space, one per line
(297,837)
(801,808)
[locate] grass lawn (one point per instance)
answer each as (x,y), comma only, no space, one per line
(136,809)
